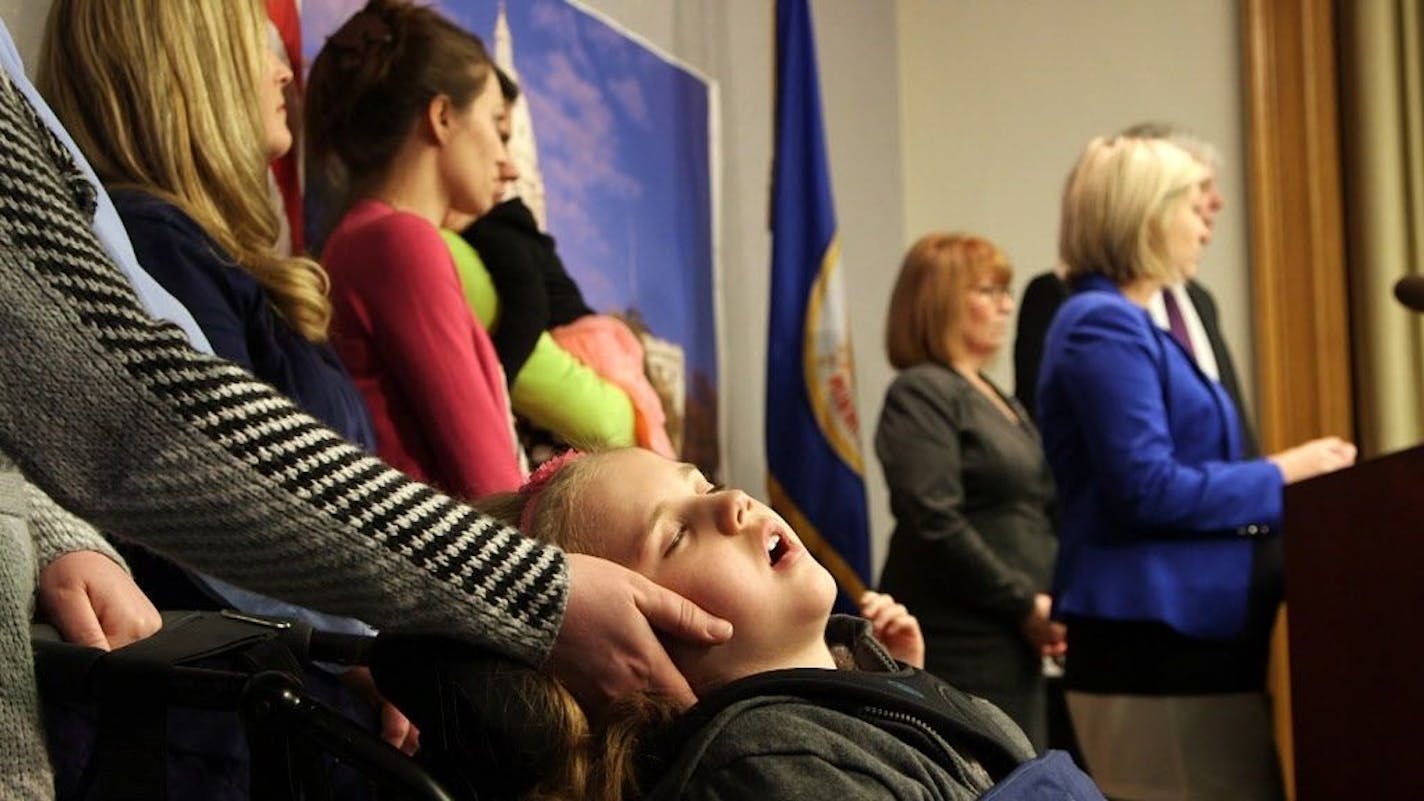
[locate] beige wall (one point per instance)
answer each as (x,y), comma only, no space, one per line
(999,98)
(25,19)
(939,114)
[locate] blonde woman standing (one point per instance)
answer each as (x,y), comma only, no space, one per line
(1168,607)
(180,116)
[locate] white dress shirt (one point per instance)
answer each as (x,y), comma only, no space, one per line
(1201,344)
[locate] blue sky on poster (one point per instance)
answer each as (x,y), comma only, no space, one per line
(623,146)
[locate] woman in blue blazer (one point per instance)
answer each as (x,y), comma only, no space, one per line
(1159,575)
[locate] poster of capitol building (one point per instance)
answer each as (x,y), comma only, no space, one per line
(613,144)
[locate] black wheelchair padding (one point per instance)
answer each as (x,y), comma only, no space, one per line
(261,664)
(479,736)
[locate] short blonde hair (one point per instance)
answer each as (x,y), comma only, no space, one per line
(1116,207)
(937,273)
(164,96)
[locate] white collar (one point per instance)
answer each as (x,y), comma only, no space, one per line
(1196,332)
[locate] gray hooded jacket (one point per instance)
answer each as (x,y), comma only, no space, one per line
(787,747)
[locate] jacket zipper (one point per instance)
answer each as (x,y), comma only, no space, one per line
(952,760)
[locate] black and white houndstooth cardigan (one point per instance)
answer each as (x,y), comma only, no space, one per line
(120,421)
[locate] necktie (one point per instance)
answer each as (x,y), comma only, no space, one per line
(1176,323)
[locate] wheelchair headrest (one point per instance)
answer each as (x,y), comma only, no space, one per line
(478,731)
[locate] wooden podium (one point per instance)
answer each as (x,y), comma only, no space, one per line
(1354,554)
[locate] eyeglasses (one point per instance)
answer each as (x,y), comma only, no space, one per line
(992,291)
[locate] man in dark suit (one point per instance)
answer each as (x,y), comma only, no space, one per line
(1200,323)
(1041,299)
(1205,306)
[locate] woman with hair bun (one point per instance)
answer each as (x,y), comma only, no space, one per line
(405,104)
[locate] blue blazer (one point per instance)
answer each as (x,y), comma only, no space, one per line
(1158,513)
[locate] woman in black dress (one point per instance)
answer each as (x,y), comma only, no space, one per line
(973,549)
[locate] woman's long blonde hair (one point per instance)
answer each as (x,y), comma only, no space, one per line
(164,96)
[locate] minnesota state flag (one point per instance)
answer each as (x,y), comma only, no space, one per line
(812,427)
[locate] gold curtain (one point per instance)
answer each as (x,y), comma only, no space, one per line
(1382,117)
(1299,285)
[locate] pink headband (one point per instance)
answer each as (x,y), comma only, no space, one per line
(538,480)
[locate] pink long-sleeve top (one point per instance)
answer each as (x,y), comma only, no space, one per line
(430,377)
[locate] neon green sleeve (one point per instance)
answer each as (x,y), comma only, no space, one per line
(474,278)
(553,390)
(558,392)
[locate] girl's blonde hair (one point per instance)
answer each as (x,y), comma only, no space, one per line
(1117,206)
(603,755)
(937,273)
(164,96)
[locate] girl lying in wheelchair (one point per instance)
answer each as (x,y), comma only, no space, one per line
(799,703)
